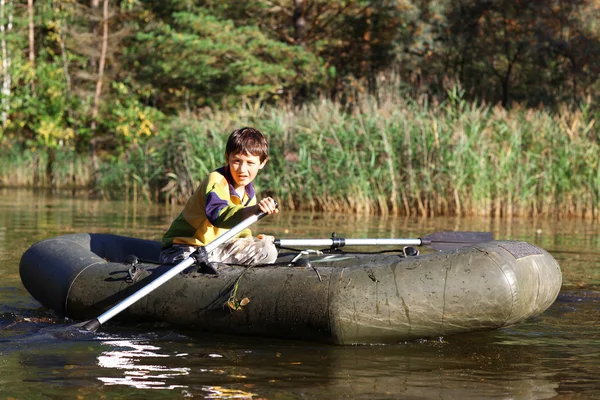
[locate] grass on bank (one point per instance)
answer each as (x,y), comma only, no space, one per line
(388,155)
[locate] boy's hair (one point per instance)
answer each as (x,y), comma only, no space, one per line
(247,141)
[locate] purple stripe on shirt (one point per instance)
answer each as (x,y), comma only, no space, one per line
(214,204)
(249,192)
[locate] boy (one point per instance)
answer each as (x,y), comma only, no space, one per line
(223,200)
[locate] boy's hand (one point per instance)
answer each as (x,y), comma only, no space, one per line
(268,206)
(271,239)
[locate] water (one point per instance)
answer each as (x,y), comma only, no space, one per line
(552,356)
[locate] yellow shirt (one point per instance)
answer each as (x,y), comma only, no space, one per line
(214,208)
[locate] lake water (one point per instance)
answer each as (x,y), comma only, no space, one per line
(552,356)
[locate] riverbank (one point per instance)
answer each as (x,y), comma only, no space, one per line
(388,155)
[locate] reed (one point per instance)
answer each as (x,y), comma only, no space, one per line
(391,155)
(387,154)
(30,168)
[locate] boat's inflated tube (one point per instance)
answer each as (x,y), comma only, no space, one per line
(49,268)
(344,299)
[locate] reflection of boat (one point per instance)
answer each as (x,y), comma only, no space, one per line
(341,298)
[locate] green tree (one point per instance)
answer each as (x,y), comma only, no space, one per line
(521,50)
(196,59)
(355,38)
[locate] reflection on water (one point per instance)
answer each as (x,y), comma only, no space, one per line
(499,365)
(137,362)
(552,356)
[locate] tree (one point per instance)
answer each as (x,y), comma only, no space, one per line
(355,39)
(196,59)
(518,50)
(103,52)
(31,40)
(6,17)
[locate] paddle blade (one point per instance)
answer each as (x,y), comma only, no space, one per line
(91,325)
(453,240)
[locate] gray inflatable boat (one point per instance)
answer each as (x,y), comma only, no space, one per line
(342,298)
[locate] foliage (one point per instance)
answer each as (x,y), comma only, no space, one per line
(201,60)
(387,155)
(162,58)
(131,121)
(389,100)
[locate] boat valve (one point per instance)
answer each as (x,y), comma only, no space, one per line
(299,261)
(133,273)
(410,251)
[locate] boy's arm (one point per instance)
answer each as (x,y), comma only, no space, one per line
(219,211)
(266,205)
(223,214)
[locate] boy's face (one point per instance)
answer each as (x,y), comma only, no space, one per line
(244,167)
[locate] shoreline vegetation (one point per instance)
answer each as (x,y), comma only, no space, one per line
(417,109)
(389,154)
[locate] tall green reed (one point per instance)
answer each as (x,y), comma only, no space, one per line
(386,153)
(30,167)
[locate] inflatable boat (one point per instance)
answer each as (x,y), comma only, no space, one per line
(334,296)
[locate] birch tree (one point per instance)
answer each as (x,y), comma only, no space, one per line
(31,41)
(101,64)
(5,29)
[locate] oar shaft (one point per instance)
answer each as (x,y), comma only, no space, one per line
(437,241)
(101,319)
(341,242)
(383,242)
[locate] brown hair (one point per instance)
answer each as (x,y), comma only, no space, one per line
(247,141)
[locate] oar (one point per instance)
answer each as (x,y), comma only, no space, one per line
(93,324)
(438,241)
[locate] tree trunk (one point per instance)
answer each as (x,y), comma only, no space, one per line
(50,181)
(94,30)
(65,60)
(365,63)
(31,41)
(6,62)
(299,22)
(102,61)
(505,84)
(65,65)
(96,104)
